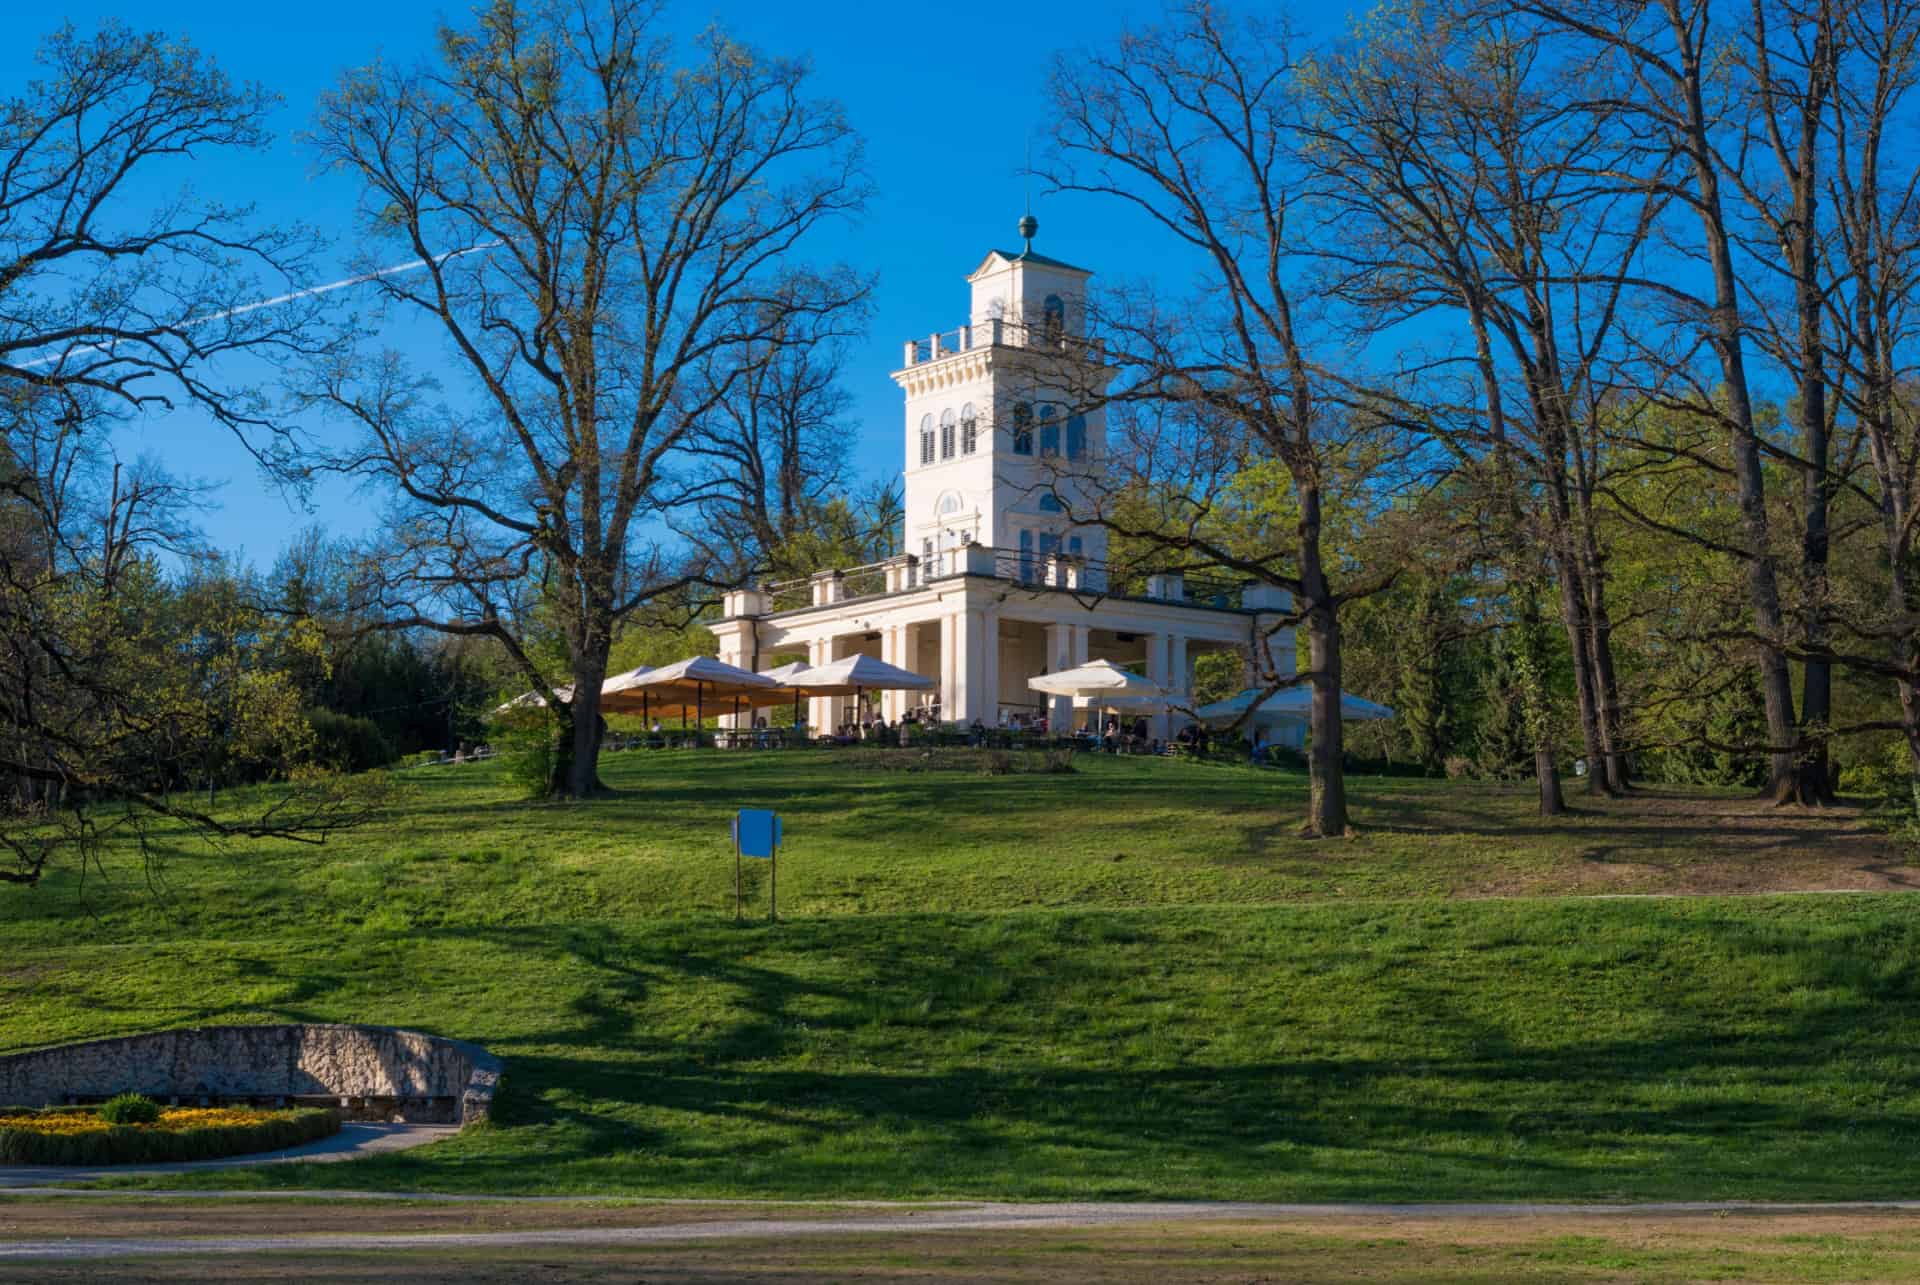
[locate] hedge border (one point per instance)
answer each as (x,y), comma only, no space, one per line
(134,1145)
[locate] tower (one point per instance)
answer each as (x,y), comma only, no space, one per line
(1001,439)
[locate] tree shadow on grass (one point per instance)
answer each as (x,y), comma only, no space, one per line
(944,1055)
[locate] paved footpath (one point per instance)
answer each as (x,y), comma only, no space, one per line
(874,1218)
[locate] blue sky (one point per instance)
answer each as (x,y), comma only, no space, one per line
(944,97)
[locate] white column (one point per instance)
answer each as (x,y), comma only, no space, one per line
(969,666)
(910,649)
(1059,657)
(1157,672)
(730,655)
(820,708)
(1179,676)
(989,647)
(950,677)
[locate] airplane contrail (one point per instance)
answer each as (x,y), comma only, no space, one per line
(303,293)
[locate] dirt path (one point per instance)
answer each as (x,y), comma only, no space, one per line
(88,1231)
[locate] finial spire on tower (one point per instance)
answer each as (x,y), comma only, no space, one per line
(1028,224)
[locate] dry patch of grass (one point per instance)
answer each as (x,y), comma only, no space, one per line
(1645,1249)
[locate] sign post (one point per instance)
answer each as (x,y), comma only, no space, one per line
(756,833)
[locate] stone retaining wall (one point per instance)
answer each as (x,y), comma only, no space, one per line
(417,1077)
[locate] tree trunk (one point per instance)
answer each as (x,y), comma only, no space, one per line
(1600,650)
(1532,667)
(1729,339)
(1573,613)
(1326,770)
(576,769)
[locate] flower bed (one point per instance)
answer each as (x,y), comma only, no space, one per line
(79,1136)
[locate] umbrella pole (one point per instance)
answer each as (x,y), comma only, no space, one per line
(699,712)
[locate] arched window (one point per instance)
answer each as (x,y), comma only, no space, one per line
(946,434)
(969,430)
(1023,429)
(1053,321)
(926,439)
(1076,436)
(1049,432)
(949,503)
(1050,503)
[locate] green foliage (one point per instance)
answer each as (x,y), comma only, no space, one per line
(348,744)
(130,1108)
(526,741)
(131,1145)
(1707,737)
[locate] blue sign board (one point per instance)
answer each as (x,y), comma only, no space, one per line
(756,832)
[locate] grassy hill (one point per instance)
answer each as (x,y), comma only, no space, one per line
(1132,981)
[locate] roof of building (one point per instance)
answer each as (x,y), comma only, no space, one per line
(1027,256)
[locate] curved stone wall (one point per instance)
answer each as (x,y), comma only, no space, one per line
(375,1068)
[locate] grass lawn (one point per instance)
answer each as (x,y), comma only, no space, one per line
(1130,982)
(867,835)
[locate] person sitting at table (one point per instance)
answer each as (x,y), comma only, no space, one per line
(1110,735)
(878,732)
(977,732)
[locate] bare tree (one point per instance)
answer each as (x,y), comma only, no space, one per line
(1661,66)
(772,453)
(1874,190)
(1195,126)
(598,225)
(113,302)
(1792,53)
(1465,182)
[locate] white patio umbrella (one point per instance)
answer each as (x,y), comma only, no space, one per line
(686,685)
(857,675)
(1290,705)
(780,674)
(1102,683)
(534,700)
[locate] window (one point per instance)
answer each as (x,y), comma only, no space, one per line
(926,439)
(1076,436)
(1049,433)
(1023,429)
(1026,555)
(969,430)
(1049,544)
(1050,503)
(1075,547)
(946,434)
(950,503)
(1053,321)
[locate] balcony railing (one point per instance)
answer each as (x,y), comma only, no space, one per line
(1001,332)
(1030,568)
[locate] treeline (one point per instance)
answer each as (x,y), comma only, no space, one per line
(1557,356)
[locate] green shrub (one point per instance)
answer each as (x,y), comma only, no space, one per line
(134,1145)
(347,743)
(130,1108)
(525,741)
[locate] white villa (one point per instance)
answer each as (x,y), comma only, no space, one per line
(997,587)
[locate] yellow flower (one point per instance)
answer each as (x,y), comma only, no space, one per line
(171,1120)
